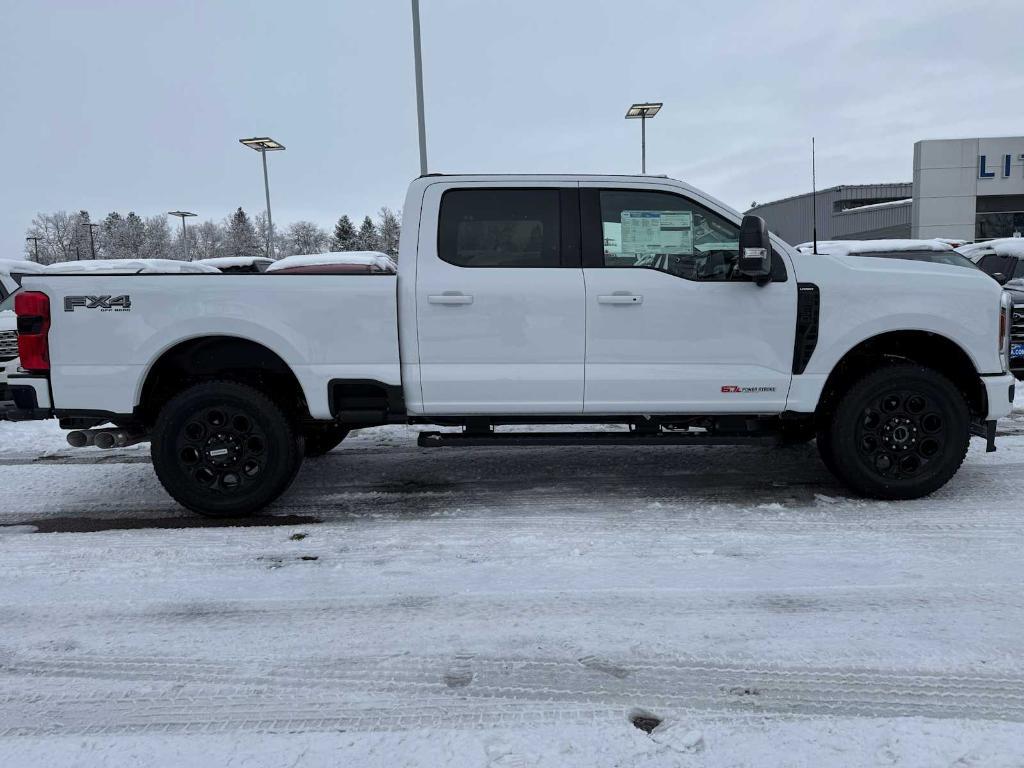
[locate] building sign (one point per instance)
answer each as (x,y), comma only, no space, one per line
(987,168)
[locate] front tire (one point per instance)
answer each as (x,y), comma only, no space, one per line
(900,432)
(224,449)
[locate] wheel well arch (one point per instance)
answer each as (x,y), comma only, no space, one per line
(925,348)
(233,358)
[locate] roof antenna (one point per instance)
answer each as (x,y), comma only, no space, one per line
(814,197)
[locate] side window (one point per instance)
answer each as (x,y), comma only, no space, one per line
(1018,269)
(500,228)
(659,230)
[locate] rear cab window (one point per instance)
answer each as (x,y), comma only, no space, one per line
(488,228)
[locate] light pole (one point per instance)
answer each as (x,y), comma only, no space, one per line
(92,241)
(264,144)
(643,111)
(418,59)
(184,233)
(35,242)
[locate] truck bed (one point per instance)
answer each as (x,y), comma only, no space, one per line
(323,326)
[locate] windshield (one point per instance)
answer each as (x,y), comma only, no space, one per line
(8,303)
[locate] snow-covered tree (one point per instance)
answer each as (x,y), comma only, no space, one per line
(367,239)
(241,236)
(111,236)
(210,241)
(280,238)
(306,237)
(389,228)
(56,233)
(158,239)
(134,236)
(344,236)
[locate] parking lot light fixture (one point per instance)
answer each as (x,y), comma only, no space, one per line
(184,233)
(642,112)
(264,144)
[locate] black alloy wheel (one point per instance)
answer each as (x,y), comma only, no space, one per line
(225,449)
(900,432)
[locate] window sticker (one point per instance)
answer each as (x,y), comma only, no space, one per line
(657,232)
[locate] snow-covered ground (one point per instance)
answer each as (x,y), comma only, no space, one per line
(510,607)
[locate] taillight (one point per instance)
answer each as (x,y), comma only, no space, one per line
(33,310)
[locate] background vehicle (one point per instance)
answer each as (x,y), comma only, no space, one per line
(555,300)
(11,272)
(934,251)
(1001,259)
(238,265)
(340,263)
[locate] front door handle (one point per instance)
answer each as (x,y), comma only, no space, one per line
(450,297)
(620,298)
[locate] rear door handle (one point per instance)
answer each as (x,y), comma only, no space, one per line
(620,298)
(450,297)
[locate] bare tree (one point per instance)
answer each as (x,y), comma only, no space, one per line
(389,229)
(306,237)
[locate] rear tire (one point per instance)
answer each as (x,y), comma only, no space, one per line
(900,432)
(322,440)
(224,449)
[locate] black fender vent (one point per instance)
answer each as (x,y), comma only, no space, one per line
(808,304)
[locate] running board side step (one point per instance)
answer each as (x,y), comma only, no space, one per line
(443,439)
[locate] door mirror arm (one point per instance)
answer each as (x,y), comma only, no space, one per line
(755,258)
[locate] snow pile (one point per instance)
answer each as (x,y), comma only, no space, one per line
(381,261)
(129,267)
(867,247)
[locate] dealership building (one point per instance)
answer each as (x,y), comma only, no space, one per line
(963,189)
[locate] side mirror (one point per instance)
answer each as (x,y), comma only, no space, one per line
(755,259)
(999,277)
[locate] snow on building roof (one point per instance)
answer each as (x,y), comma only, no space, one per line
(864,247)
(129,267)
(364,258)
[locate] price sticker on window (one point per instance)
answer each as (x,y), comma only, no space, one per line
(655,232)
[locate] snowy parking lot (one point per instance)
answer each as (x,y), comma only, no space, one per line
(510,607)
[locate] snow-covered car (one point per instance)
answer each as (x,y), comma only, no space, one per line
(934,251)
(560,299)
(238,265)
(11,272)
(1001,259)
(128,267)
(336,263)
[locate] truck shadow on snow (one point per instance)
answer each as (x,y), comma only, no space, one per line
(352,483)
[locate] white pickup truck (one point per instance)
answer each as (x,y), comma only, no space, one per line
(549,300)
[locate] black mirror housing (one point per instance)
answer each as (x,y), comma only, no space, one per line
(999,277)
(755,259)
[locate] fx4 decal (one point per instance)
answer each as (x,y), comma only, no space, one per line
(730,389)
(102,303)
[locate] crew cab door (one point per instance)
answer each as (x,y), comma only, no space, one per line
(671,327)
(500,299)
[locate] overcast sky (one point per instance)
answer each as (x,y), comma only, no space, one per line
(140,105)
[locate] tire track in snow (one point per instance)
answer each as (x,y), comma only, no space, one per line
(407,691)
